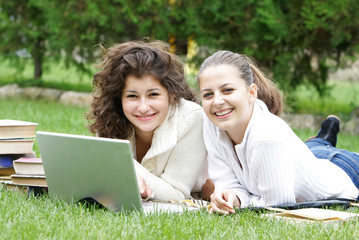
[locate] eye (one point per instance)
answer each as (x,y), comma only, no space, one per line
(154,94)
(228,90)
(131,96)
(207,95)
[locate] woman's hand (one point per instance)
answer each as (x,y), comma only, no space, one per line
(145,190)
(207,189)
(224,201)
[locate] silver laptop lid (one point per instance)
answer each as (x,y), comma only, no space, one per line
(78,167)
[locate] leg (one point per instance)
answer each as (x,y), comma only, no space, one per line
(346,160)
(330,129)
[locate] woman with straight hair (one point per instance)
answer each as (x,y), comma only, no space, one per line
(142,95)
(254,157)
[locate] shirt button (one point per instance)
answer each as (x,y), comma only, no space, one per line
(150,166)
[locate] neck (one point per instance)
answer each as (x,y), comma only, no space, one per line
(144,137)
(237,133)
(143,144)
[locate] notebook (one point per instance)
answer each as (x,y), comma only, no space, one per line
(83,167)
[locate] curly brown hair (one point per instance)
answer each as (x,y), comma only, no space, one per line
(137,58)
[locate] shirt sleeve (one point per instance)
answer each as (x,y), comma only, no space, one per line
(275,174)
(220,165)
(184,164)
(270,171)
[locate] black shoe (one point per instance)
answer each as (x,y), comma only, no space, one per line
(330,129)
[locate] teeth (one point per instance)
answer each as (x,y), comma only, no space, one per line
(146,116)
(223,112)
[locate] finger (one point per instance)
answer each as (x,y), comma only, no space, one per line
(222,204)
(218,210)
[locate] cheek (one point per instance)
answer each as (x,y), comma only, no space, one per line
(206,106)
(127,106)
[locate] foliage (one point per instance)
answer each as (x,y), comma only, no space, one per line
(297,40)
(23,30)
(294,39)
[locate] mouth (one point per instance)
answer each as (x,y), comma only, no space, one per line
(146,117)
(223,113)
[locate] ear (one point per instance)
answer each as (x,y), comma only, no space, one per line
(172,98)
(253,92)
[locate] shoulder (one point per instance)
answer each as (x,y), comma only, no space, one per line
(269,127)
(189,111)
(186,107)
(189,115)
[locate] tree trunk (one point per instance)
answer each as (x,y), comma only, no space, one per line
(37,55)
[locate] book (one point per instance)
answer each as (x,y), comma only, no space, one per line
(29,166)
(5,178)
(29,180)
(36,190)
(16,129)
(16,146)
(7,171)
(311,215)
(8,184)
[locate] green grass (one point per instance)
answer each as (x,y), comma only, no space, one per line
(342,98)
(55,75)
(42,218)
(25,217)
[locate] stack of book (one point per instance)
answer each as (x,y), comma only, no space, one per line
(29,172)
(16,142)
(16,137)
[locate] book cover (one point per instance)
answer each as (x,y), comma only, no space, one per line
(29,180)
(16,146)
(29,166)
(16,129)
(6,160)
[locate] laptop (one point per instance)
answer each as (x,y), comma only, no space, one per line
(83,167)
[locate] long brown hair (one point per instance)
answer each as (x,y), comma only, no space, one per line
(135,58)
(250,73)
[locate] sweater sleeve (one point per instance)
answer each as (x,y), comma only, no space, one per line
(184,164)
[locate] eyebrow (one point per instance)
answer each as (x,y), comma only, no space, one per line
(149,90)
(208,89)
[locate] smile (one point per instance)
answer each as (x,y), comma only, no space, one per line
(146,117)
(223,113)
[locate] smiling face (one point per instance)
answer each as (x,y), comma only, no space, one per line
(145,103)
(227,100)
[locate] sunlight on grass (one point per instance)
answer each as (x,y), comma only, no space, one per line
(341,100)
(31,217)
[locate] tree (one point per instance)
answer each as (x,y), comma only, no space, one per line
(295,39)
(23,26)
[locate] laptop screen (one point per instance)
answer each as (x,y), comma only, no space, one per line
(78,167)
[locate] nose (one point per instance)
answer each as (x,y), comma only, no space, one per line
(218,99)
(143,106)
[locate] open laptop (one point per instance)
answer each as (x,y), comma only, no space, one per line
(82,167)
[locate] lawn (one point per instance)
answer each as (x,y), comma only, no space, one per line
(25,217)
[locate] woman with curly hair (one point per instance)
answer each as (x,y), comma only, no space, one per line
(142,96)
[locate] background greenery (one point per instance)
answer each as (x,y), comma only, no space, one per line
(298,41)
(53,44)
(25,217)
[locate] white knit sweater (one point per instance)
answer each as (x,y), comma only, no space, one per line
(277,167)
(177,155)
